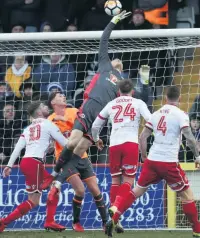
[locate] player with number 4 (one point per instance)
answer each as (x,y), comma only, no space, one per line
(124,113)
(168,123)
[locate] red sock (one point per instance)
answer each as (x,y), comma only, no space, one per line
(126,202)
(123,190)
(113,192)
(191,213)
(51,208)
(19,211)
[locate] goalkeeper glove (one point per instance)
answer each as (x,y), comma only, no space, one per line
(120,17)
(144,74)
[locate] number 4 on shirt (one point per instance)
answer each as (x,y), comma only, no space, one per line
(129,111)
(162,125)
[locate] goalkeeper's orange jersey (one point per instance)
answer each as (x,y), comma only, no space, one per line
(65,127)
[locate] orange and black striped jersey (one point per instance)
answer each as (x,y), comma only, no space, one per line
(65,127)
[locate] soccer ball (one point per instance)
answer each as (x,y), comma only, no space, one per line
(113,7)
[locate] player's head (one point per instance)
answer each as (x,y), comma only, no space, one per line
(38,110)
(126,87)
(173,94)
(117,64)
(57,99)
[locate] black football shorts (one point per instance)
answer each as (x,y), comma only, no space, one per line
(86,116)
(81,167)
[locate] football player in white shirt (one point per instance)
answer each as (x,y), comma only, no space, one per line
(168,123)
(36,138)
(124,113)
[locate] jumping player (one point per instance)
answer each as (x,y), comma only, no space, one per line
(78,168)
(124,113)
(36,138)
(102,89)
(168,123)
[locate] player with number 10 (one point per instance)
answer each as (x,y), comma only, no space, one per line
(36,138)
(167,124)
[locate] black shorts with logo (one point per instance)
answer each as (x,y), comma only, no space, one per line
(86,116)
(79,166)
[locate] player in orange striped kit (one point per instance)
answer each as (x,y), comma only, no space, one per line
(78,169)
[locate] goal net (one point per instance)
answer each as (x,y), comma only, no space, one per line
(34,64)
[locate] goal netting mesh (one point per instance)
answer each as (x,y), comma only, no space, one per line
(34,64)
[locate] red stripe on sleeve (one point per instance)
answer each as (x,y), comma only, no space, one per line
(91,86)
(22,135)
(102,118)
(149,128)
(149,123)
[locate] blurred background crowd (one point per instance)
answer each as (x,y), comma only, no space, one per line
(27,78)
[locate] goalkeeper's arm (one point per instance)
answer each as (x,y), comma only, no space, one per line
(104,60)
(144,78)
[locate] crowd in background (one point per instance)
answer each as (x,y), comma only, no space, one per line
(24,79)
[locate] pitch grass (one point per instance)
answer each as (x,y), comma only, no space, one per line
(97,234)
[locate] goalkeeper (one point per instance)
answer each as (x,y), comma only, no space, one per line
(102,89)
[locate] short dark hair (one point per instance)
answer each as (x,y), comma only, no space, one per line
(173,93)
(33,107)
(50,98)
(125,86)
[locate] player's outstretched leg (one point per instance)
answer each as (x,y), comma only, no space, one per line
(122,206)
(50,224)
(113,194)
(124,189)
(20,210)
(92,185)
(190,210)
(67,152)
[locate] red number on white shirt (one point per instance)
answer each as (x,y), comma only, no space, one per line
(34,133)
(162,125)
(129,111)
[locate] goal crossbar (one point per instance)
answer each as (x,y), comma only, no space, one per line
(92,35)
(88,42)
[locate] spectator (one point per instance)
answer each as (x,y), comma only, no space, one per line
(29,94)
(19,28)
(19,72)
(55,87)
(72,27)
(5,93)
(25,12)
(55,69)
(78,97)
(96,19)
(195,126)
(10,126)
(138,21)
(186,154)
(195,109)
(56,13)
(46,27)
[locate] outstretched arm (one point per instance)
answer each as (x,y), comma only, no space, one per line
(143,142)
(104,60)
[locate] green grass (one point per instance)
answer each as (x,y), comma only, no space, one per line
(97,234)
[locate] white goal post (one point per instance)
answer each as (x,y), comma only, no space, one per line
(165,39)
(158,208)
